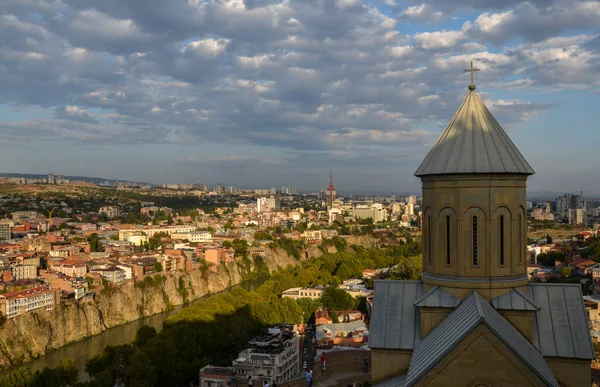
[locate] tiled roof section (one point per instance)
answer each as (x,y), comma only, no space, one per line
(473,142)
(514,300)
(560,328)
(395,321)
(472,311)
(437,297)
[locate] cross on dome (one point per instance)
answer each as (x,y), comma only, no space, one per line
(472,71)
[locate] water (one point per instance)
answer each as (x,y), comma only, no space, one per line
(83,350)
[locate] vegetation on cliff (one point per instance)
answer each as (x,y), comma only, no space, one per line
(216,329)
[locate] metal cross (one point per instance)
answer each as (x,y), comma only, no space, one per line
(472,71)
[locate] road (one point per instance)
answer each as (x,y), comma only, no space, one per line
(308,355)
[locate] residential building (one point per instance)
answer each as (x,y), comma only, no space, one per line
(268,204)
(21,272)
(312,236)
(112,274)
(18,215)
(219,256)
(345,334)
(314,293)
(72,268)
(5,228)
(375,211)
(213,376)
(194,237)
(273,357)
(149,232)
(109,211)
(13,304)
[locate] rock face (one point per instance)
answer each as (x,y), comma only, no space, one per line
(34,334)
(26,337)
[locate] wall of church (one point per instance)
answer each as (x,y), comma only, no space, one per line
(571,372)
(431,317)
(387,363)
(523,320)
(474,225)
(480,359)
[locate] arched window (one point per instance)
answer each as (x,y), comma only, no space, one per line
(429,239)
(447,239)
(474,238)
(501,240)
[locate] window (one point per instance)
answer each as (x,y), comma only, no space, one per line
(447,239)
(475,258)
(520,229)
(501,240)
(429,238)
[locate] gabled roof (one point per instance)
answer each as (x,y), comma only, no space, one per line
(560,327)
(473,142)
(472,311)
(514,300)
(437,297)
(395,321)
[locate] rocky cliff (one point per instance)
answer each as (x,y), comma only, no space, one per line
(34,334)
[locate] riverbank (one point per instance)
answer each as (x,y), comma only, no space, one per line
(85,349)
(35,334)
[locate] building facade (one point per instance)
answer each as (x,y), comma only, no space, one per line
(330,194)
(272,357)
(13,304)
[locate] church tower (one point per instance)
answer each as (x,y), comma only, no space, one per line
(330,192)
(474,211)
(474,320)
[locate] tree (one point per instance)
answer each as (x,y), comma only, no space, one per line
(548,238)
(549,259)
(95,244)
(566,272)
(156,240)
(337,299)
(157,267)
(144,334)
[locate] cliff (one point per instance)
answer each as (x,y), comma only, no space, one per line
(34,334)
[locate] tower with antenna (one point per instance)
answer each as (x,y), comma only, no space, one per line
(330,194)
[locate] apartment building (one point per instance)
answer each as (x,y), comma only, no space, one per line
(314,293)
(21,272)
(273,357)
(112,274)
(5,231)
(71,268)
(13,304)
(194,237)
(124,234)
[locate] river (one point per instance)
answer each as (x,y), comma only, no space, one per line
(83,350)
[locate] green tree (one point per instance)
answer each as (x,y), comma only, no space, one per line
(143,334)
(337,299)
(157,267)
(156,240)
(95,244)
(566,272)
(548,238)
(549,259)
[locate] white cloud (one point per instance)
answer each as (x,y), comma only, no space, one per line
(438,39)
(422,12)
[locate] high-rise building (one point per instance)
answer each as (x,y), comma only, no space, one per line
(330,194)
(474,319)
(50,178)
(270,204)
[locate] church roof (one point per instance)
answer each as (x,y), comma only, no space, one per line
(514,300)
(395,320)
(437,297)
(560,327)
(473,311)
(473,142)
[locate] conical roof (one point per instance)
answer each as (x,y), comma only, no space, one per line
(473,142)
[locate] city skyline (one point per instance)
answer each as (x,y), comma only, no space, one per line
(268,93)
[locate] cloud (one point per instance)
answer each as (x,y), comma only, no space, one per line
(422,13)
(324,80)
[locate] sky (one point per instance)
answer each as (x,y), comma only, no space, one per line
(260,93)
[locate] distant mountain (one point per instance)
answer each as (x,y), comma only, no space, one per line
(95,180)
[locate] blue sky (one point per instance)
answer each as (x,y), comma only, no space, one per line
(262,93)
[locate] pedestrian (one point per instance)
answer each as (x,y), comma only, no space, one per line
(250,381)
(266,384)
(366,366)
(323,360)
(308,378)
